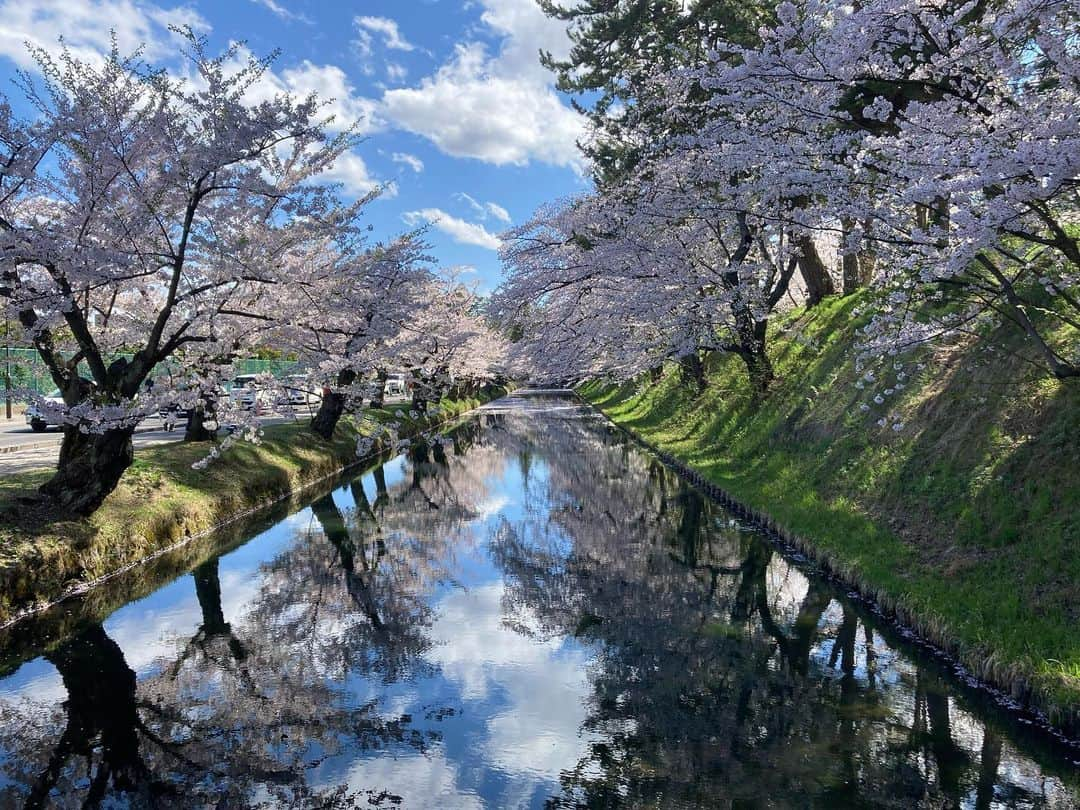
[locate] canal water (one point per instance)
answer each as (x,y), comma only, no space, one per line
(529,612)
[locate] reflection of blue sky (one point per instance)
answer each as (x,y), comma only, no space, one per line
(518,699)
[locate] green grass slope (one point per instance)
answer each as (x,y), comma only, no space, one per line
(966,522)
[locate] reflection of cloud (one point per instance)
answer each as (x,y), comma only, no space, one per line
(35,680)
(544,684)
(786,587)
(421,781)
(491,506)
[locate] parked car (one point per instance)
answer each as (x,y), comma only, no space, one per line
(40,419)
(298,389)
(246,391)
(395,385)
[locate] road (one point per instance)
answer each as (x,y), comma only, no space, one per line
(37,450)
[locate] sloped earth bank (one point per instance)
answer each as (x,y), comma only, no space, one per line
(532,612)
(964,523)
(162,502)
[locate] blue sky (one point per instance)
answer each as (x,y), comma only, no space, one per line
(460,120)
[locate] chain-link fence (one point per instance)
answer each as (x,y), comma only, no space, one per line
(26,371)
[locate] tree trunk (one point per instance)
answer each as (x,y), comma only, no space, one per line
(849,262)
(751,349)
(814,272)
(379,399)
(332,406)
(89,468)
(693,369)
(196,430)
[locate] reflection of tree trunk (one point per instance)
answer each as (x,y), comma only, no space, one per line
(208,592)
(690,524)
(102,716)
(751,593)
(871,657)
(333,525)
(950,759)
(382,495)
(814,604)
(989,759)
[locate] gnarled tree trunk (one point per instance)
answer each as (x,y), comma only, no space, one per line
(89,468)
(196,430)
(332,406)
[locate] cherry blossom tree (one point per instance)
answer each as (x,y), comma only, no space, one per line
(142,215)
(943,136)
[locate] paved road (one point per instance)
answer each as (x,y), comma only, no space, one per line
(37,450)
(21,449)
(17,433)
(37,457)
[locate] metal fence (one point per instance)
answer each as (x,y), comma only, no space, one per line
(26,371)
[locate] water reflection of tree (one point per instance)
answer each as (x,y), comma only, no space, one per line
(721,673)
(247,710)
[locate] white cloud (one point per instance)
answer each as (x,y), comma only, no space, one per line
(484,210)
(332,85)
(283,13)
(87,26)
(466,233)
(351,171)
(500,109)
(412,161)
(498,212)
(386,28)
(396,72)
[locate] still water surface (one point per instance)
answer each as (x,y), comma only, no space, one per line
(532,613)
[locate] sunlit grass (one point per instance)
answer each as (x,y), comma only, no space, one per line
(967,522)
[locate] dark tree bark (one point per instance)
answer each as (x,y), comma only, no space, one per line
(693,370)
(751,349)
(89,468)
(849,263)
(819,283)
(333,404)
(379,399)
(196,430)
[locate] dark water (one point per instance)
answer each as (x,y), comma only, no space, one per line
(532,613)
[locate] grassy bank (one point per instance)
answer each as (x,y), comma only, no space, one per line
(161,500)
(965,522)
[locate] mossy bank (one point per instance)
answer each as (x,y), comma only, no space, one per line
(162,501)
(964,522)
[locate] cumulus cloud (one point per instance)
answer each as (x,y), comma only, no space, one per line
(87,27)
(351,171)
(500,108)
(466,233)
(383,27)
(412,161)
